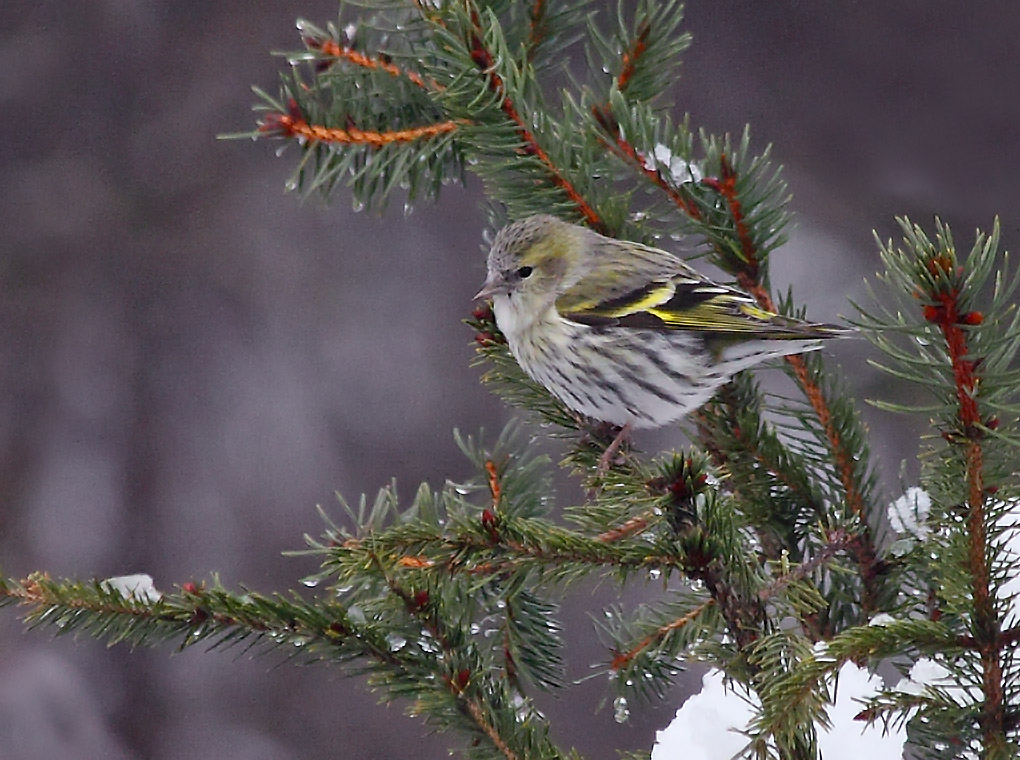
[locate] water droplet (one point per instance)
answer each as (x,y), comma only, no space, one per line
(356,614)
(395,642)
(475,629)
(655,573)
(311,581)
(280,150)
(621,711)
(290,185)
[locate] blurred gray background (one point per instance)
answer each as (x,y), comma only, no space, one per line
(191,359)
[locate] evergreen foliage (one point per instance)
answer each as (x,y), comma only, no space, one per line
(768,524)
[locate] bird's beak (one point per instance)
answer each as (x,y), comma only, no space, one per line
(489,289)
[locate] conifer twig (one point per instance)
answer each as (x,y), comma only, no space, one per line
(630,57)
(331,49)
(535,16)
(196,611)
(293,125)
(635,524)
(417,605)
(949,319)
(622,659)
(483,59)
(638,161)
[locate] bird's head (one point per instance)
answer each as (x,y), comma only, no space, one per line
(530,261)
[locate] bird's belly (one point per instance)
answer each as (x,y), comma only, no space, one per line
(641,378)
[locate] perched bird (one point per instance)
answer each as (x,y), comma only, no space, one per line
(622,332)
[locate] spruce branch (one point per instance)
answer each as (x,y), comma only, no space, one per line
(486,63)
(328,50)
(461,680)
(199,614)
(624,659)
(960,342)
(293,125)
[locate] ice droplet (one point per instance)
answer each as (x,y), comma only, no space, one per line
(356,614)
(621,711)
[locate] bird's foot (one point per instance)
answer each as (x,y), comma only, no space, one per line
(606,460)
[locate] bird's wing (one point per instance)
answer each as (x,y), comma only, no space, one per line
(651,289)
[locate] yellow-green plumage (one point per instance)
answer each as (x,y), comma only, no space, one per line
(623,332)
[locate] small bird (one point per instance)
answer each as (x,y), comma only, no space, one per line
(623,332)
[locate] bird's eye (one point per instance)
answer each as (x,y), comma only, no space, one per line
(524,272)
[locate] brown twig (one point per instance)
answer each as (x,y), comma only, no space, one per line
(331,49)
(485,62)
(623,659)
(630,57)
(836,541)
(417,606)
(635,524)
(294,125)
(863,546)
(726,186)
(945,313)
(535,17)
(604,116)
(495,488)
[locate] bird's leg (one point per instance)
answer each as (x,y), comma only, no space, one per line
(611,450)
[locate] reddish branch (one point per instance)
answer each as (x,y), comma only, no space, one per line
(333,50)
(634,525)
(630,57)
(622,659)
(945,313)
(836,541)
(484,60)
(495,488)
(604,116)
(293,125)
(726,186)
(535,17)
(417,605)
